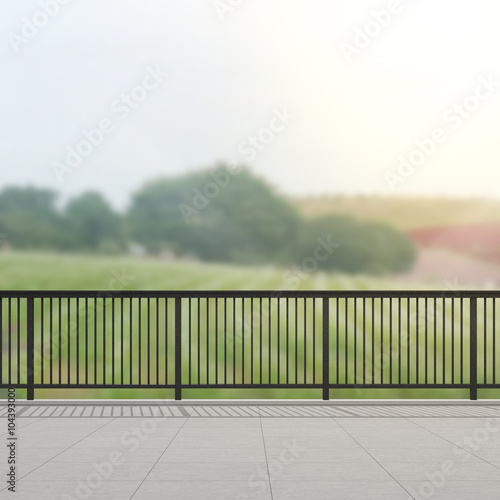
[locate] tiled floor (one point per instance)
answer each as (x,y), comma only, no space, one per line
(261,451)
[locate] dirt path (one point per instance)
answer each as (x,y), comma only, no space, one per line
(450,268)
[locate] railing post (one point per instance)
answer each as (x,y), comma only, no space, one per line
(30,354)
(473,347)
(178,348)
(326,348)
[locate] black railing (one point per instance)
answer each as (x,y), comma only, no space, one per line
(248,339)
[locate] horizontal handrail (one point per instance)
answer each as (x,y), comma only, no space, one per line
(250,293)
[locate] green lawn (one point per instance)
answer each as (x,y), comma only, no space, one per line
(236,335)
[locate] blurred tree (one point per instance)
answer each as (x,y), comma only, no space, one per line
(395,251)
(91,224)
(215,215)
(29,217)
(361,247)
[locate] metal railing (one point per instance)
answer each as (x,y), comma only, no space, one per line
(248,339)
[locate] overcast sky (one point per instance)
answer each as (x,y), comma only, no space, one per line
(347,107)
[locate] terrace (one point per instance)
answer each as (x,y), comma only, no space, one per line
(287,344)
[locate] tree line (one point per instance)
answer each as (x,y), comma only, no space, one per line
(214,215)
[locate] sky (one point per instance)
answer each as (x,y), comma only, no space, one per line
(394,97)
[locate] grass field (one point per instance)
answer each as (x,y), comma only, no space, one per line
(384,350)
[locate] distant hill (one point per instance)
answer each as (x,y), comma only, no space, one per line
(406,213)
(476,240)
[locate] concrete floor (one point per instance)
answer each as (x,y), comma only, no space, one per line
(262,451)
